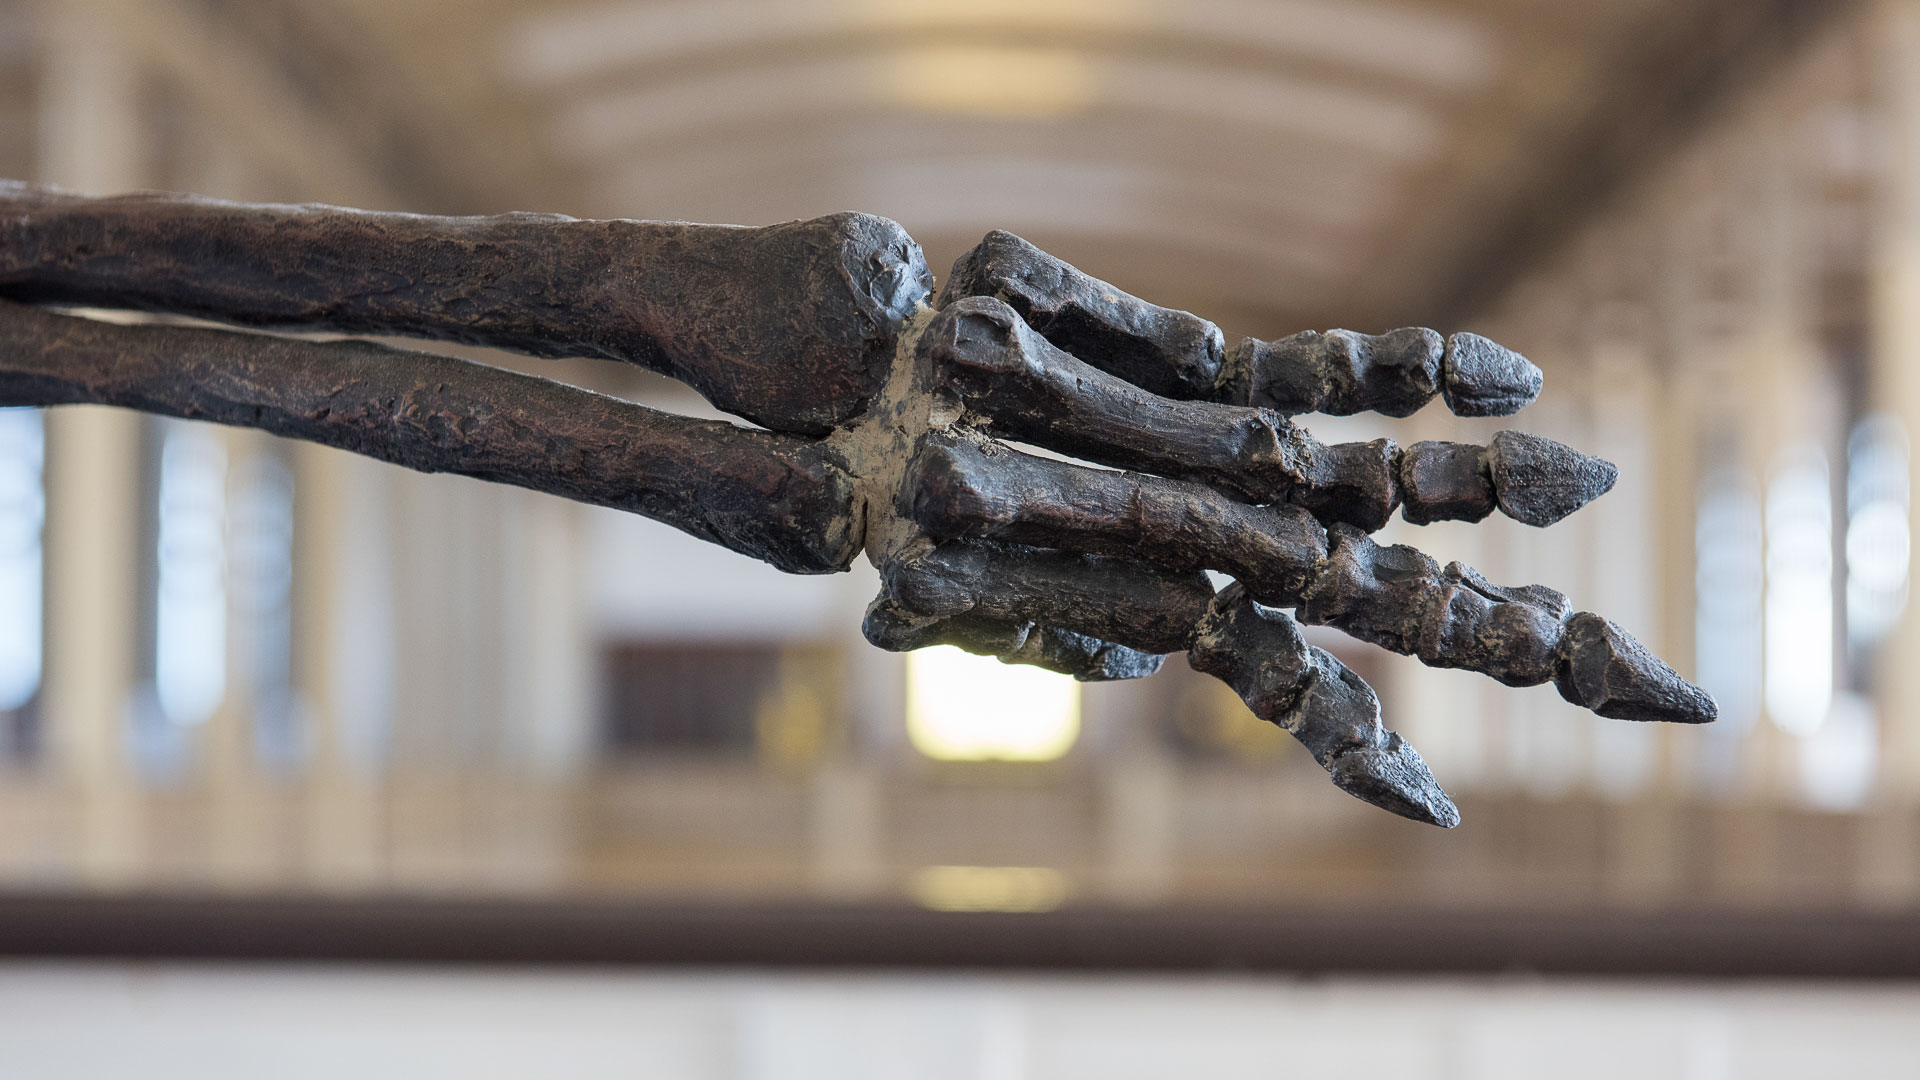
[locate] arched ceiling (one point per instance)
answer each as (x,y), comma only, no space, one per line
(1270,163)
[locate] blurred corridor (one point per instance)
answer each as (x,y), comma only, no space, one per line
(240,666)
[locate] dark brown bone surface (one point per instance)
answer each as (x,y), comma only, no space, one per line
(791,326)
(884,413)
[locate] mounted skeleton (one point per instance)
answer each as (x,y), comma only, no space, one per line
(884,411)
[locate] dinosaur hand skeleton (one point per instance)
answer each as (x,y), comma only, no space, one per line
(888,416)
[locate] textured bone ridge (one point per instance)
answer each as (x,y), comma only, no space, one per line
(1540,481)
(1172,353)
(1313,696)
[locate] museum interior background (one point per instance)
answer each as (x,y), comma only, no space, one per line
(231,666)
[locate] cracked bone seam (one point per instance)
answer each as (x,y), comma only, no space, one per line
(887,421)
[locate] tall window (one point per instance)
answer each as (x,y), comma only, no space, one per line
(190,612)
(1728,578)
(1799,605)
(260,575)
(22,515)
(1878,544)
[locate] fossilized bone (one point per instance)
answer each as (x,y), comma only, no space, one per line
(888,415)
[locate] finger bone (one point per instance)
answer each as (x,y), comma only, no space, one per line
(1341,372)
(1137,605)
(891,627)
(956,488)
(1320,702)
(1022,385)
(1168,352)
(1402,600)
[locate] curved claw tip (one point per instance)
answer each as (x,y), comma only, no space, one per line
(1481,378)
(1614,675)
(1395,778)
(1539,481)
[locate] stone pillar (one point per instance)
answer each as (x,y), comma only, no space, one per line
(91,141)
(847,835)
(548,699)
(549,663)
(1895,346)
(343,657)
(1890,840)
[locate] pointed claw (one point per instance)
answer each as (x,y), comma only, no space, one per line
(1481,378)
(1614,675)
(1539,481)
(1337,718)
(1318,700)
(1395,778)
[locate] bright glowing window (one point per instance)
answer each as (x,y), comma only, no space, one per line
(260,578)
(1878,541)
(1799,605)
(190,613)
(962,707)
(22,514)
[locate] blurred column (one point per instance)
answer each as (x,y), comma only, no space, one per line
(549,715)
(1683,409)
(1792,412)
(91,140)
(846,827)
(1647,853)
(548,673)
(1139,793)
(1896,344)
(343,658)
(435,736)
(1890,864)
(1770,377)
(1623,570)
(1641,856)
